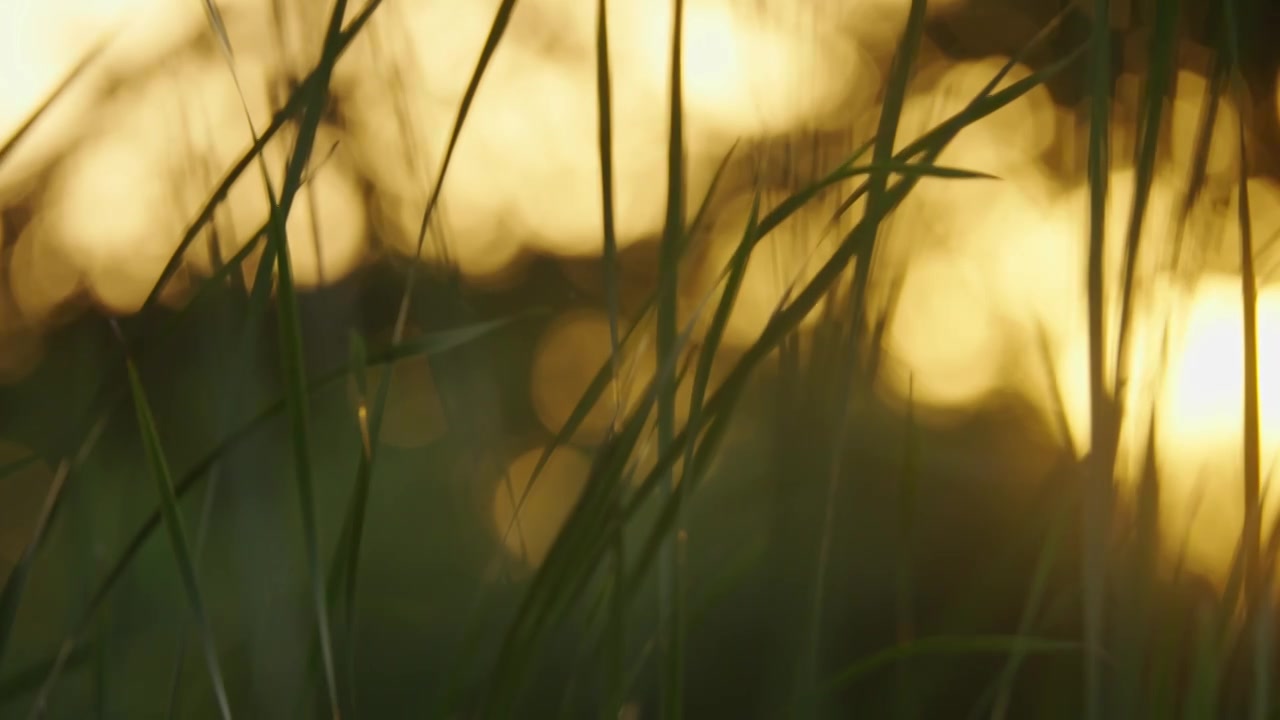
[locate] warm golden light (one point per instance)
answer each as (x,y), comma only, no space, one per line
(569,355)
(989,268)
(547,506)
(1200,440)
(943,341)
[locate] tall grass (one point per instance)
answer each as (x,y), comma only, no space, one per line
(620,614)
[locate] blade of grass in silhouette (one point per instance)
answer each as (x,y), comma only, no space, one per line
(1160,61)
(670,583)
(1102,421)
(76,73)
(172,515)
(1257,593)
(290,332)
(1251,530)
(615,654)
(1159,82)
(202,531)
(346,556)
(1209,106)
(1057,403)
(604,98)
(214,16)
(882,152)
(737,267)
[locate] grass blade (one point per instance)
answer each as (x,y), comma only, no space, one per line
(616,649)
(882,152)
(172,515)
(670,583)
(1102,423)
(1257,592)
(604,95)
(1160,58)
(77,71)
(290,331)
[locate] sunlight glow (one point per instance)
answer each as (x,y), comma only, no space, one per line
(990,269)
(1202,421)
(943,334)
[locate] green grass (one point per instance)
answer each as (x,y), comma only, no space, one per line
(815,557)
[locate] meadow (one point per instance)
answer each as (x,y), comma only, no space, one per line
(639,358)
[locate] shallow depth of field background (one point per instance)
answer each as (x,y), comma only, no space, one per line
(955,473)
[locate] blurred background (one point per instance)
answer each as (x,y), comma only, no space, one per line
(941,501)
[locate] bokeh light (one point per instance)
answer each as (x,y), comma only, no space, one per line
(988,268)
(943,334)
(570,353)
(547,505)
